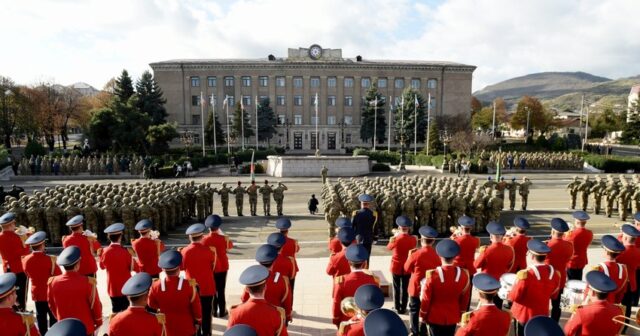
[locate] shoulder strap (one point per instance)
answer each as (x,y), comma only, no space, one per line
(440,273)
(466,317)
(522,274)
(28,320)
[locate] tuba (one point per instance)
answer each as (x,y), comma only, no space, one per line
(348,307)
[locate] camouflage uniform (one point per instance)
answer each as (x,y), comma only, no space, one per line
(224,198)
(252,191)
(266,192)
(239,191)
(278,196)
(573,191)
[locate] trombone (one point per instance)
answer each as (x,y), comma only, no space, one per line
(623,320)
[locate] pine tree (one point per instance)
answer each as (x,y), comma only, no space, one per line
(124,87)
(410,116)
(208,131)
(435,144)
(368,114)
(150,99)
(236,127)
(266,121)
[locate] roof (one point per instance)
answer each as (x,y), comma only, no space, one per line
(568,122)
(635,89)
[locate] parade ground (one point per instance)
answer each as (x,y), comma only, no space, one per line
(312,300)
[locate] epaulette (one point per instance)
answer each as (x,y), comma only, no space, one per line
(522,274)
(429,274)
(99,252)
(482,248)
(54,264)
(574,308)
(213,249)
(179,249)
(353,213)
(50,280)
(93,281)
(193,282)
(412,250)
(367,271)
(162,318)
(131,251)
(466,317)
(338,279)
(28,319)
(595,268)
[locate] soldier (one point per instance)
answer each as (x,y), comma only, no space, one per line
(400,244)
(92,216)
(35,215)
(573,187)
(512,187)
(72,210)
(13,323)
(118,263)
(495,205)
(224,199)
(624,196)
(12,249)
(585,189)
(442,212)
(561,252)
(109,212)
(458,205)
(324,173)
(612,194)
(136,320)
(388,214)
(129,215)
(425,207)
(598,190)
(278,196)
(222,244)
(239,191)
(408,207)
(487,319)
(53,216)
(252,191)
(266,192)
(497,258)
(201,203)
(476,211)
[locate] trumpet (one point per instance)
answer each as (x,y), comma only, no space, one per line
(154,234)
(348,307)
(511,232)
(622,320)
(455,231)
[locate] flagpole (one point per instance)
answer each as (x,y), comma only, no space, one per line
(415,124)
(389,135)
(257,123)
(317,142)
(242,120)
(375,123)
(213,124)
(493,127)
(226,100)
(202,102)
(428,120)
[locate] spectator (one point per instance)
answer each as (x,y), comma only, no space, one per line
(313,204)
(178,170)
(465,168)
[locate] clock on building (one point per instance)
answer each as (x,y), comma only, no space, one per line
(315,51)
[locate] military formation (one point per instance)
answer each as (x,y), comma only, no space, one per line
(75,165)
(537,160)
(610,193)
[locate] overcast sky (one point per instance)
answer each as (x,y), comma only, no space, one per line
(69,41)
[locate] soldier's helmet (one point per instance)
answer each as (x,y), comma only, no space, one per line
(224,184)
(575,178)
(14,204)
(587,178)
(88,201)
(33,203)
(71,202)
(126,200)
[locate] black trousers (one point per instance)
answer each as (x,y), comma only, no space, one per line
(44,316)
(574,273)
(119,303)
(442,330)
(637,297)
(400,295)
(415,326)
(21,291)
(219,300)
(367,246)
(519,328)
(628,301)
(556,312)
(207,305)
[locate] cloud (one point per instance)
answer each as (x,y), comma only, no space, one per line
(94,40)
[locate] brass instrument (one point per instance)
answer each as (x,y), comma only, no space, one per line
(455,231)
(621,319)
(511,232)
(348,307)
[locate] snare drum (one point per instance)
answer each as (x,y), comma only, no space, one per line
(573,293)
(506,284)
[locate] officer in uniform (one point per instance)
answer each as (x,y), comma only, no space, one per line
(266,192)
(262,316)
(614,270)
(224,199)
(324,172)
(559,256)
(39,267)
(222,244)
(252,191)
(176,297)
(73,294)
(534,287)
(136,320)
(518,241)
(581,238)
(118,263)
(199,262)
(400,245)
(290,247)
(523,190)
(147,249)
(572,187)
(364,222)
(239,191)
(446,292)
(67,327)
(88,245)
(367,298)
(419,261)
(335,245)
(497,258)
(12,249)
(278,196)
(487,319)
(598,316)
(384,322)
(11,322)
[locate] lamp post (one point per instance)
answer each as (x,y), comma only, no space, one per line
(187,140)
(445,137)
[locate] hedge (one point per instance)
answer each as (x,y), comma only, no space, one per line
(613,163)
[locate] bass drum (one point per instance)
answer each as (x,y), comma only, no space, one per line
(573,293)
(506,284)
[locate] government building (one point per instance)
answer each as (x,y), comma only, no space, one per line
(292,83)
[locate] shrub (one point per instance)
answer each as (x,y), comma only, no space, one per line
(392,158)
(34,148)
(380,167)
(613,163)
(259,169)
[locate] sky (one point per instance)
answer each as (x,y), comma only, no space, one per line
(68,41)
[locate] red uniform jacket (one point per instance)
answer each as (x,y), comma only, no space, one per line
(561,252)
(148,250)
(199,261)
(495,259)
(75,295)
(581,239)
(277,292)
(335,245)
(285,265)
(418,263)
(119,264)
(345,286)
(400,245)
(136,321)
(468,246)
(487,320)
(631,258)
(338,265)
(595,319)
(88,247)
(519,244)
(222,244)
(445,295)
(39,267)
(265,318)
(618,273)
(15,324)
(353,327)
(290,249)
(178,300)
(531,292)
(11,250)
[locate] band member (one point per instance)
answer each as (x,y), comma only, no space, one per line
(364,222)
(384,322)
(420,260)
(596,317)
(518,240)
(147,248)
(222,244)
(335,245)
(497,258)
(39,267)
(68,327)
(561,252)
(290,247)
(176,297)
(367,298)
(240,330)
(11,251)
(630,257)
(119,264)
(468,244)
(446,292)
(617,272)
(487,320)
(338,264)
(285,265)
(400,244)
(542,325)
(73,294)
(136,320)
(581,238)
(262,316)
(87,244)
(11,322)
(534,286)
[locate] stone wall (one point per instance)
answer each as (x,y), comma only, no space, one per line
(291,166)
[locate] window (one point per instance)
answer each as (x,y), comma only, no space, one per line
(348,100)
(246,100)
(331,120)
(195,81)
(399,83)
(297,82)
(264,81)
(231,100)
(314,82)
(348,82)
(281,119)
(347,138)
(348,120)
(297,119)
(314,120)
(228,81)
(280,82)
(331,101)
(195,119)
(195,100)
(382,82)
(297,100)
(262,99)
(432,84)
(433,103)
(331,82)
(365,82)
(280,101)
(196,138)
(415,83)
(212,81)
(314,140)
(246,81)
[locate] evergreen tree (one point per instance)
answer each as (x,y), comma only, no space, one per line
(410,116)
(435,144)
(236,128)
(266,121)
(132,126)
(221,138)
(124,87)
(159,136)
(369,121)
(150,99)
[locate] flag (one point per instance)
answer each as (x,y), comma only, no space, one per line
(253,176)
(225,101)
(316,100)
(416,100)
(498,173)
(203,102)
(374,102)
(241,103)
(257,103)
(212,100)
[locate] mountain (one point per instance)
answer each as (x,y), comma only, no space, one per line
(84,88)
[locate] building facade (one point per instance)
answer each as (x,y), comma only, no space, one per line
(292,84)
(633,113)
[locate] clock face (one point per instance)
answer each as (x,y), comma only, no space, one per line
(315,51)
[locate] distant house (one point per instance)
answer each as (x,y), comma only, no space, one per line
(569,125)
(633,111)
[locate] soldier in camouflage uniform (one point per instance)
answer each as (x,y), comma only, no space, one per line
(128,213)
(72,210)
(512,188)
(92,217)
(524,192)
(477,210)
(598,189)
(442,212)
(54,221)
(35,215)
(612,195)
(252,192)
(388,213)
(224,199)
(624,196)
(573,191)
(201,203)
(425,207)
(239,191)
(585,189)
(408,207)
(332,212)
(278,196)
(495,205)
(266,192)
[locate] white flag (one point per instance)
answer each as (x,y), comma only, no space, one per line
(416,100)
(225,101)
(241,103)
(202,101)
(212,100)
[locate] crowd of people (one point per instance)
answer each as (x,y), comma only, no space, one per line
(74,165)
(618,193)
(534,160)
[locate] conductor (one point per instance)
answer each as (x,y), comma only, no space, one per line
(364,221)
